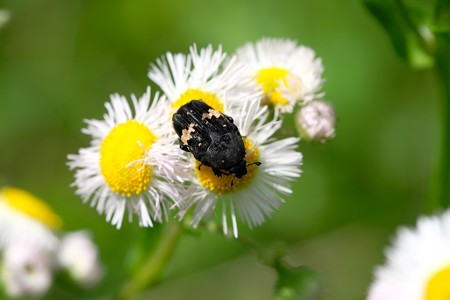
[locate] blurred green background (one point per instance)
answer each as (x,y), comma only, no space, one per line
(60,61)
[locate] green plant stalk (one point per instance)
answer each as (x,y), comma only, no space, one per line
(439,197)
(443,69)
(154,264)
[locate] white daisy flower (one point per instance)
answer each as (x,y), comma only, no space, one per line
(26,270)
(285,72)
(132,163)
(206,75)
(418,263)
(316,121)
(79,255)
(256,195)
(26,218)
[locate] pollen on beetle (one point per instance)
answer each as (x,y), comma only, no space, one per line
(31,206)
(222,185)
(274,82)
(122,158)
(193,94)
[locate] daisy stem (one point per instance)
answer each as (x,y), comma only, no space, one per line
(154,264)
(440,187)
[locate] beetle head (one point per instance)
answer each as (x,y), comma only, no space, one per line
(240,169)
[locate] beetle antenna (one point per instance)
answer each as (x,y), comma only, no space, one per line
(258,163)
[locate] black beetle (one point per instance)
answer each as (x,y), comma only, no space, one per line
(211,137)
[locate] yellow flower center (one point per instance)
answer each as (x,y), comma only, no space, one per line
(222,185)
(192,94)
(122,158)
(270,79)
(438,287)
(31,206)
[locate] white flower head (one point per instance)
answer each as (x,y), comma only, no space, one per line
(207,75)
(256,195)
(316,121)
(286,72)
(26,270)
(418,263)
(132,163)
(79,255)
(26,218)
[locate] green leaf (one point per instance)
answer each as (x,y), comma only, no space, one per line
(442,20)
(299,283)
(412,40)
(442,14)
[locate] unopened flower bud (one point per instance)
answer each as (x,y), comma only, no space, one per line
(316,121)
(79,256)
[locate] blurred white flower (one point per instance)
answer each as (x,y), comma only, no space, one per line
(316,121)
(26,218)
(79,255)
(26,270)
(418,263)
(286,72)
(132,163)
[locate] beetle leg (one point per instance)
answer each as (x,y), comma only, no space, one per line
(184,147)
(232,180)
(217,172)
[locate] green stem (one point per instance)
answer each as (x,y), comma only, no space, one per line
(440,189)
(443,65)
(153,266)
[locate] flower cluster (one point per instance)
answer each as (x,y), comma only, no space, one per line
(134,163)
(32,251)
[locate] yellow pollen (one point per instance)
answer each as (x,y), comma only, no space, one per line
(122,158)
(222,185)
(438,287)
(192,94)
(31,206)
(270,79)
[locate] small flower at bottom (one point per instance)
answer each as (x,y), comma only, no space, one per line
(418,263)
(26,270)
(286,73)
(132,163)
(26,218)
(256,195)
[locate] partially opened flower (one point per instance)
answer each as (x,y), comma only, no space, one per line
(26,218)
(79,256)
(202,75)
(256,195)
(132,163)
(26,270)
(418,263)
(286,72)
